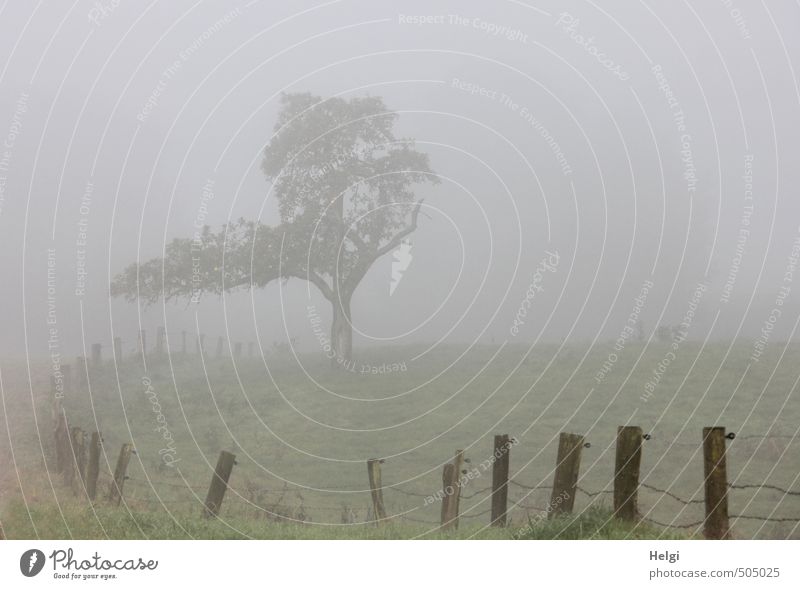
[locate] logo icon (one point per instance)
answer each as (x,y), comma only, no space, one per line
(31,562)
(402,260)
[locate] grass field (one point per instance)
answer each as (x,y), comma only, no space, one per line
(302,434)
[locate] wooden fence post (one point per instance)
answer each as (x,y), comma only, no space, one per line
(448,487)
(61,439)
(93,468)
(66,371)
(626,472)
(500,468)
(568,466)
(115,491)
(118,349)
(69,457)
(717,525)
(161,336)
(79,451)
(455,505)
(80,366)
(219,483)
(376,489)
(97,355)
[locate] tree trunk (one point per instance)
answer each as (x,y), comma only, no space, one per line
(342,333)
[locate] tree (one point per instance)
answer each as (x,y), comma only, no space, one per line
(344,188)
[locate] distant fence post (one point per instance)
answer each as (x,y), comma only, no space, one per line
(115,491)
(161,336)
(61,438)
(717,525)
(66,371)
(626,472)
(118,348)
(93,468)
(455,505)
(376,489)
(143,342)
(97,355)
(565,483)
(79,449)
(500,468)
(80,366)
(448,486)
(219,483)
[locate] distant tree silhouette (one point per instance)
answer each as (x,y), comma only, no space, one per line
(344,188)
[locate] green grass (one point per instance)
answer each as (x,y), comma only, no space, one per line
(81,522)
(301,450)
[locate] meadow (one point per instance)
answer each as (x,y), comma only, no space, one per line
(302,432)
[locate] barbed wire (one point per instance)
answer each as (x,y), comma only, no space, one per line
(766,519)
(531,488)
(680,526)
(475,493)
(764,486)
(672,495)
(593,493)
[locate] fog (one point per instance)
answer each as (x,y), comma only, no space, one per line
(630,139)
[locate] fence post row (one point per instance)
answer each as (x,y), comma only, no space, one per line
(717,524)
(500,468)
(565,483)
(376,489)
(626,472)
(219,483)
(115,491)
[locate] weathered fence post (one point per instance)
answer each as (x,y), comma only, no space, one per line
(219,483)
(500,468)
(237,350)
(66,371)
(118,348)
(448,486)
(455,505)
(79,452)
(115,491)
(143,342)
(220,342)
(565,483)
(161,336)
(626,472)
(80,366)
(97,355)
(376,489)
(93,468)
(717,525)
(61,438)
